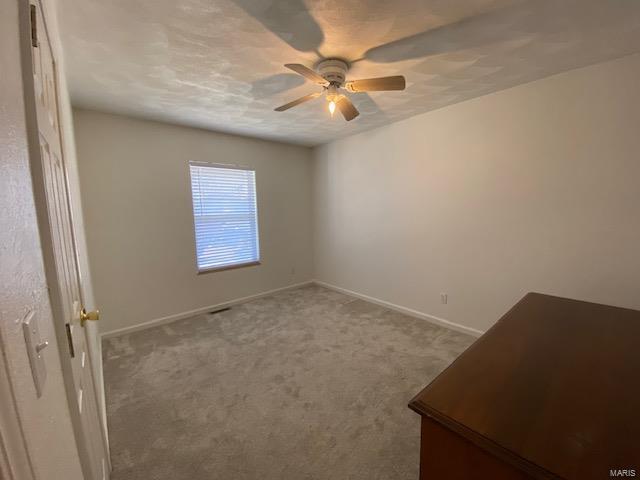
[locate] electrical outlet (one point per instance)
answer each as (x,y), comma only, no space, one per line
(444,298)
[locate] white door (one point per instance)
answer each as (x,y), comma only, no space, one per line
(65,287)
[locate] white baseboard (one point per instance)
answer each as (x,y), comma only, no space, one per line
(407,311)
(391,306)
(197,311)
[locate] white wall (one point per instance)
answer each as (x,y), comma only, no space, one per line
(45,422)
(138,216)
(536,188)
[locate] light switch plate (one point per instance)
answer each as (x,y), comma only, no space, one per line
(35,345)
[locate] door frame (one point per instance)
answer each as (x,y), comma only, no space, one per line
(44,226)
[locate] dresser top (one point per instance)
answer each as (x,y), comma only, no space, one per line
(552,388)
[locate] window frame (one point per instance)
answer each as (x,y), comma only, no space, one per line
(230,166)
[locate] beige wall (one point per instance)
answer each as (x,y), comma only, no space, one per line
(536,188)
(138,216)
(530,189)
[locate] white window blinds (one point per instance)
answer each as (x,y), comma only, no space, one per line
(225,216)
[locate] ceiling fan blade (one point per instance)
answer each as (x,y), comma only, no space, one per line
(306,72)
(348,110)
(297,101)
(376,84)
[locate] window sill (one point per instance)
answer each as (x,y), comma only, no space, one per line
(228,267)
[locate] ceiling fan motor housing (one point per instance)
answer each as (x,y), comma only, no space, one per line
(333,70)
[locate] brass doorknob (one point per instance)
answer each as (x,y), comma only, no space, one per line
(93,315)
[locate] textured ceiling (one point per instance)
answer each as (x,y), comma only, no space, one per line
(218,64)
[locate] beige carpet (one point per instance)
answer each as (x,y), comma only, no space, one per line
(306,384)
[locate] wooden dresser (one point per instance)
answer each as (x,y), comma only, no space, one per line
(552,390)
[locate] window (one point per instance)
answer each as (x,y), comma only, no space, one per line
(225,216)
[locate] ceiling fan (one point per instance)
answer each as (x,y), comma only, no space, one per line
(331,75)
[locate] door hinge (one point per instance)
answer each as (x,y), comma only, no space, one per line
(70,340)
(34,26)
